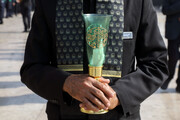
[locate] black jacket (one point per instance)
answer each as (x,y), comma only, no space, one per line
(40,73)
(171,8)
(26,4)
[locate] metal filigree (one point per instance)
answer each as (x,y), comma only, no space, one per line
(97,36)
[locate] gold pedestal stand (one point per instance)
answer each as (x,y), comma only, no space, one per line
(92,112)
(95,72)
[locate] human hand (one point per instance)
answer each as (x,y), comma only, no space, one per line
(113,100)
(92,93)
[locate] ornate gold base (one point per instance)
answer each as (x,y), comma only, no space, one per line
(95,72)
(102,111)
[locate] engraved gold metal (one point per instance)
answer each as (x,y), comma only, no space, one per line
(95,72)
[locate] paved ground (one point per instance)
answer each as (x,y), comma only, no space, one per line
(19,103)
(16,101)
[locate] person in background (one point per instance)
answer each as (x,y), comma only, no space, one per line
(157,4)
(33,5)
(15,7)
(9,8)
(1,17)
(171,8)
(3,7)
(12,12)
(26,6)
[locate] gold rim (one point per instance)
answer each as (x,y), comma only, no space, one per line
(102,111)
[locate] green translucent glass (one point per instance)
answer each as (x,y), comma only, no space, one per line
(97,27)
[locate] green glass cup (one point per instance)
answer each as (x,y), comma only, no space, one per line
(97,27)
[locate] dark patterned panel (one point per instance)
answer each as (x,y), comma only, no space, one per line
(70,31)
(114,51)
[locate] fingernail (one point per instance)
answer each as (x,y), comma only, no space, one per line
(108,81)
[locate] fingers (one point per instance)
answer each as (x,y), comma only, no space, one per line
(101,96)
(88,105)
(92,93)
(96,102)
(104,88)
(103,80)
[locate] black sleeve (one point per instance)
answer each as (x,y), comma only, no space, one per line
(37,72)
(151,69)
(171,9)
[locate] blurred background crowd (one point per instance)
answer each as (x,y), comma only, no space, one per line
(10,8)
